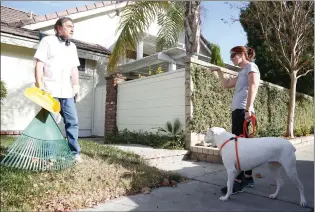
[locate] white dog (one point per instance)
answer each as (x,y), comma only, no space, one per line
(253,152)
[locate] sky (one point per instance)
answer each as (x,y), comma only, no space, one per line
(216,17)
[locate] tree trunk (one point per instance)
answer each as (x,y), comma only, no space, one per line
(290,120)
(192,27)
(192,45)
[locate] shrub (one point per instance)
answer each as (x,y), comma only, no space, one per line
(211,106)
(155,140)
(216,58)
(3,91)
(175,132)
(297,132)
(270,131)
(305,130)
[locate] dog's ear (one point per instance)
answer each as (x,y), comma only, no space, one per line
(211,131)
(216,130)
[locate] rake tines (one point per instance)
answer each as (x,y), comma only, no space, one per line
(41,147)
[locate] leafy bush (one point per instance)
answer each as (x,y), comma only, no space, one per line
(298,132)
(305,130)
(216,58)
(3,91)
(151,72)
(270,131)
(155,140)
(170,137)
(211,107)
(175,132)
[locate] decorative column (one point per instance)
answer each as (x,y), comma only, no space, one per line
(140,50)
(172,66)
(111,102)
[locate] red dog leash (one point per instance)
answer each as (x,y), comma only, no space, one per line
(245,133)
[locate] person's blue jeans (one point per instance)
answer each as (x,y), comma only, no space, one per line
(69,114)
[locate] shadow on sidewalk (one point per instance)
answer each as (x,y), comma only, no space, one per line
(202,192)
(206,192)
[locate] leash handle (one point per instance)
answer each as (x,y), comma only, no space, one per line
(245,131)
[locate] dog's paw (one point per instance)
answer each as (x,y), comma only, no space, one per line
(303,203)
(224,198)
(272,196)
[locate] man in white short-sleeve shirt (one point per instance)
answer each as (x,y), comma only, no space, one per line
(56,72)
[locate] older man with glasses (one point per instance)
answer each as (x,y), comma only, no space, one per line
(56,72)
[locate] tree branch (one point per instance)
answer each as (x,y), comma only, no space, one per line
(302,75)
(304,63)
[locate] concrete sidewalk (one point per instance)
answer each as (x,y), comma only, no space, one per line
(202,191)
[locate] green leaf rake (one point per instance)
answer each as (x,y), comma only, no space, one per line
(41,146)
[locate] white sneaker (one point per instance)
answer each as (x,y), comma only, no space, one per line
(78,158)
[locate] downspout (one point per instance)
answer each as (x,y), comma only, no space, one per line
(93,108)
(40,35)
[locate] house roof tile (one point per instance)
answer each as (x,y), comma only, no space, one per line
(9,15)
(70,11)
(34,34)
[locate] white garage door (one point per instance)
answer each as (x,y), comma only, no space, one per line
(99,111)
(84,108)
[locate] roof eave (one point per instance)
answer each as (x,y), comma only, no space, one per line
(34,35)
(74,13)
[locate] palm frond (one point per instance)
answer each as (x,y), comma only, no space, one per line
(172,25)
(176,127)
(136,19)
(160,129)
(169,127)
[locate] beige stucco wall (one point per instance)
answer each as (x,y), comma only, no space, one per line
(17,71)
(150,102)
(101,29)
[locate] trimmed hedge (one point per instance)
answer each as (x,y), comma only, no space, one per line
(155,140)
(4,91)
(211,107)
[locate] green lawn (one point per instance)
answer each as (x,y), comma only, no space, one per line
(106,173)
